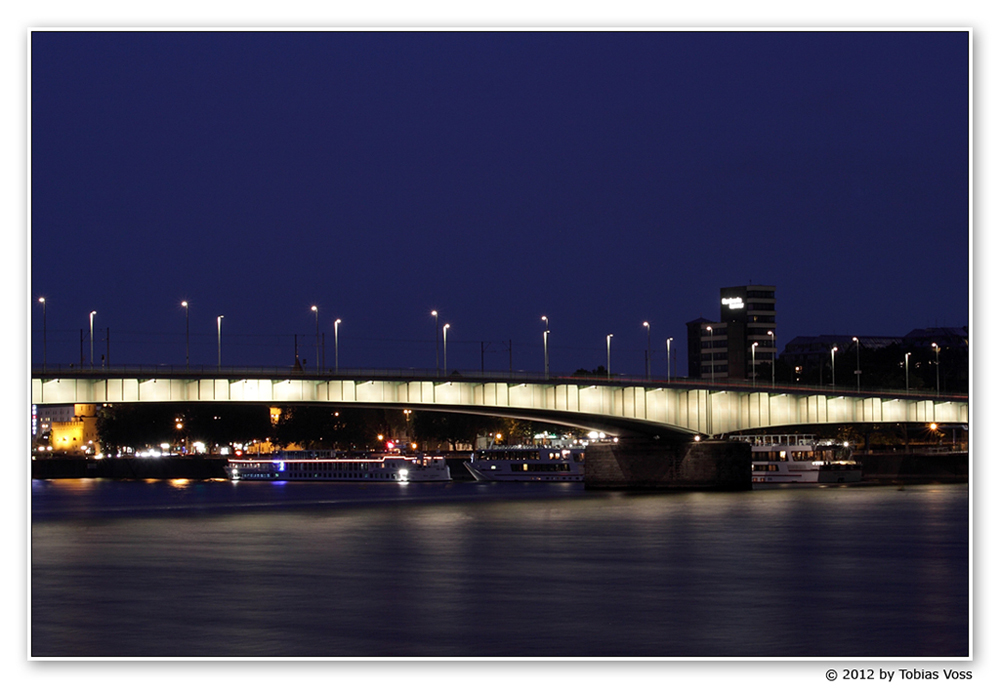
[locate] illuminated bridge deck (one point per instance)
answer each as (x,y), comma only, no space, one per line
(622,404)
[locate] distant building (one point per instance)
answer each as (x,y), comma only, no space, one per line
(724,350)
(944,337)
(78,432)
(43,416)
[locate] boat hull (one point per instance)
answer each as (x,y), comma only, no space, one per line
(379,470)
(491,472)
(808,474)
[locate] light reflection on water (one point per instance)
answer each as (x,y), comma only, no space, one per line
(306,569)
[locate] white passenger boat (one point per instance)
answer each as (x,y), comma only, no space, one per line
(527,464)
(334,466)
(800,459)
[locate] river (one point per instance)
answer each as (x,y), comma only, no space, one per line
(219,569)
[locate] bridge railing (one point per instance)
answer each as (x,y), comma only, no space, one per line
(290,372)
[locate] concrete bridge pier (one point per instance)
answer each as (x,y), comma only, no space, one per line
(640,463)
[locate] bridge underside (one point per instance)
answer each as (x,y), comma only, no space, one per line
(623,409)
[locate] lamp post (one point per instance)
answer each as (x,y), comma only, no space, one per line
(649,367)
(336,345)
(315,309)
(444,336)
(545,345)
(857,349)
(907,363)
(41,300)
(669,339)
(92,314)
(937,367)
(753,364)
(218,325)
(609,355)
(437,367)
(708,393)
(187,334)
(833,368)
(711,354)
(774,356)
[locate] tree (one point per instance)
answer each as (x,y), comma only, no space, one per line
(324,427)
(120,426)
(222,424)
(599,371)
(453,428)
(139,425)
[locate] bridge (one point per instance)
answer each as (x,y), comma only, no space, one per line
(617,405)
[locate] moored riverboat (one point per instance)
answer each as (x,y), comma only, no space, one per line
(521,463)
(335,466)
(800,459)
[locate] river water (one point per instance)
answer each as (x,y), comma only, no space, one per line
(219,569)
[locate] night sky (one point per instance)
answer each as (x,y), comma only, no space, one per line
(601,179)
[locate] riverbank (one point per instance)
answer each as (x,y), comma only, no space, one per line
(941,467)
(162,468)
(192,468)
(882,468)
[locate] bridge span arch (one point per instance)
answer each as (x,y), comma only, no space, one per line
(620,406)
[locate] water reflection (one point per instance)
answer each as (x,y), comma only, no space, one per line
(301,569)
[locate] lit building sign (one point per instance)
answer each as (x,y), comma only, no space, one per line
(734,303)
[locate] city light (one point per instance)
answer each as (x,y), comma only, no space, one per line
(545,344)
(609,355)
(92,314)
(187,333)
(315,310)
(649,357)
(218,323)
(336,344)
(437,367)
(444,334)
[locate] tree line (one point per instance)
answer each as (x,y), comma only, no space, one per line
(124,426)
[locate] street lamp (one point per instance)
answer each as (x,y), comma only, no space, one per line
(609,355)
(218,325)
(315,310)
(41,300)
(907,362)
(437,367)
(545,345)
(669,339)
(857,349)
(187,334)
(92,314)
(444,336)
(937,367)
(774,356)
(336,345)
(649,367)
(753,364)
(711,354)
(833,368)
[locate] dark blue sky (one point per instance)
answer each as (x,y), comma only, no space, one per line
(598,178)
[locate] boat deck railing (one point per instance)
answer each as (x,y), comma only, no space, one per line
(777,440)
